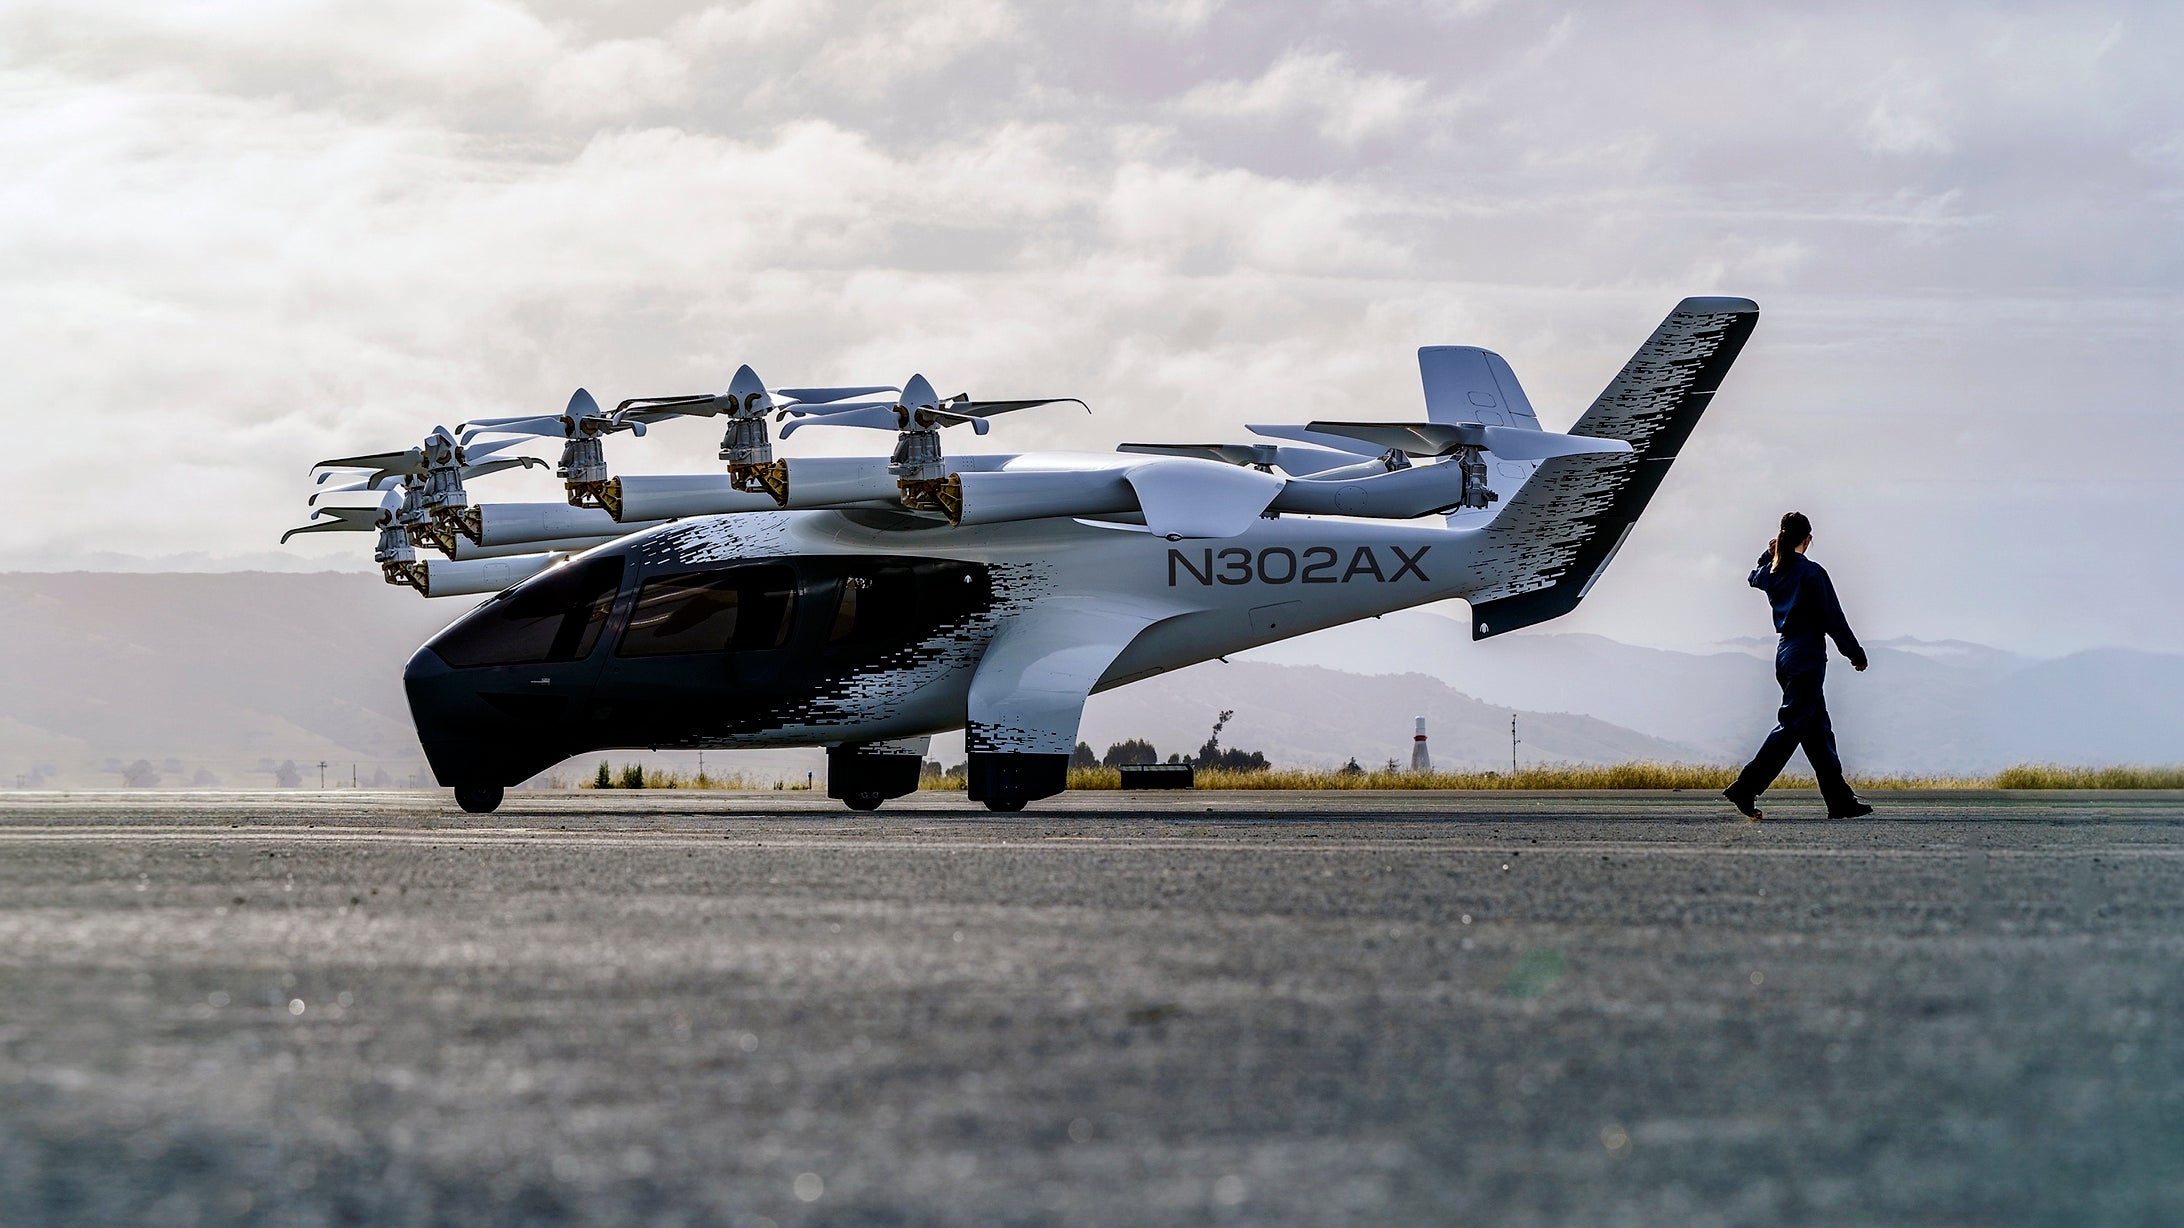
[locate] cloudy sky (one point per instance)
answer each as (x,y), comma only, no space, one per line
(236,237)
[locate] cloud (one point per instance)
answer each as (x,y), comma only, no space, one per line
(1906,117)
(1174,16)
(240,237)
(1321,88)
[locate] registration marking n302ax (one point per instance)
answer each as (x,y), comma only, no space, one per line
(1281,565)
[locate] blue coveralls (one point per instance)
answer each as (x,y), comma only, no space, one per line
(1806,614)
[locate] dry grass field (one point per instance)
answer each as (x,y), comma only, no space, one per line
(1669,776)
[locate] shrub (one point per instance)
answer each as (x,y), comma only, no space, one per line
(1130,753)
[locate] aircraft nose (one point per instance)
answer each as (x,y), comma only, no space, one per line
(483,729)
(495,693)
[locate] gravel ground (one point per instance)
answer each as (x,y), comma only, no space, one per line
(1203,1008)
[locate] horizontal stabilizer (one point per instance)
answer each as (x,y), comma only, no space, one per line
(1446,438)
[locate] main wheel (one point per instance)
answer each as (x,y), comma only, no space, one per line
(1006,805)
(864,801)
(478,799)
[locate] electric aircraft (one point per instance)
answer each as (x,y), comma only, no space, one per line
(865,603)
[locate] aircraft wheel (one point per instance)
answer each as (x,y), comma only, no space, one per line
(478,799)
(1006,805)
(864,801)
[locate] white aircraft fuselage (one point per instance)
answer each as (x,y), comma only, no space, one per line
(870,624)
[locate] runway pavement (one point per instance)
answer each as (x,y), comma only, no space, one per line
(1200,1008)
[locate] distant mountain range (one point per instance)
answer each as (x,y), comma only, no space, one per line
(1923,706)
(225,677)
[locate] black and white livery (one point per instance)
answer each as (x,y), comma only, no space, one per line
(865,604)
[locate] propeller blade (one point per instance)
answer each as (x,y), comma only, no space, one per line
(375,460)
(986,409)
(1317,439)
(1409,438)
(336,472)
(386,502)
(1522,443)
(545,425)
(319,528)
(339,520)
(822,396)
(1298,460)
(641,410)
(485,450)
(848,407)
(879,417)
(353,487)
(478,422)
(501,466)
(1446,438)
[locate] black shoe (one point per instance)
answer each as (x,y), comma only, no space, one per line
(1856,810)
(1745,805)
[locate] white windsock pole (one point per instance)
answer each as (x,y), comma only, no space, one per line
(1420,761)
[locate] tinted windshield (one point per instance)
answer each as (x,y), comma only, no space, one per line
(555,616)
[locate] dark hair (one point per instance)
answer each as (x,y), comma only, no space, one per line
(1796,530)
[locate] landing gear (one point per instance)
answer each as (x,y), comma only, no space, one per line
(1005,780)
(478,799)
(864,779)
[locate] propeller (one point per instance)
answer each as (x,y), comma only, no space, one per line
(422,498)
(919,408)
(342,520)
(747,396)
(440,453)
(1448,438)
(386,483)
(582,419)
(388,479)
(369,517)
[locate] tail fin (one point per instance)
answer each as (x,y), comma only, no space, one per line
(1542,553)
(1467,384)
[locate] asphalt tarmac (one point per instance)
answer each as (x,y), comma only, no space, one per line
(1112,1009)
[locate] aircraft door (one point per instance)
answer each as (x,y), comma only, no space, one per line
(690,650)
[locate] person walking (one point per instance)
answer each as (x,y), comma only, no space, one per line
(1807,615)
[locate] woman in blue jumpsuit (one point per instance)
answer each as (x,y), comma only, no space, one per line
(1806,614)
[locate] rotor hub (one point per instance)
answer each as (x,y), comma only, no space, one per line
(747,442)
(917,456)
(583,461)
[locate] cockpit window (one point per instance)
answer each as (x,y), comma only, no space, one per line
(555,616)
(711,611)
(876,603)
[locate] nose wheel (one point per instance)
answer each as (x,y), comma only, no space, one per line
(1005,805)
(478,799)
